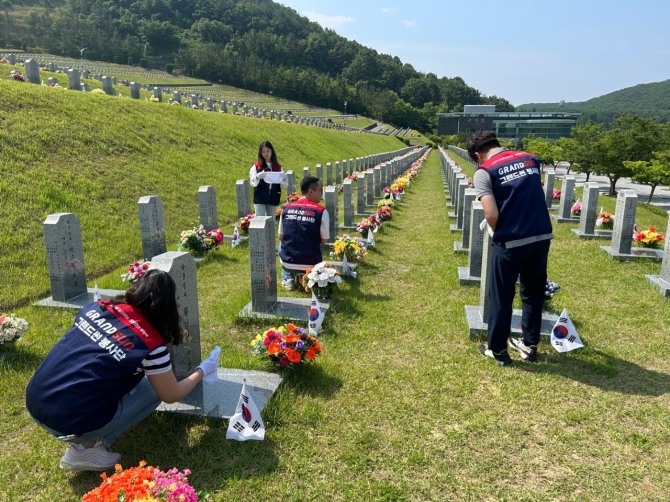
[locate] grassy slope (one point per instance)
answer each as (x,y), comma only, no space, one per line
(94,156)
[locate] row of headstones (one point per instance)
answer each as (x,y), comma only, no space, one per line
(621,236)
(374,172)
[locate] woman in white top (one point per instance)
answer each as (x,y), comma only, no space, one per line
(267,178)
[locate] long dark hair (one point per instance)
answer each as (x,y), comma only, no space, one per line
(154,294)
(273,157)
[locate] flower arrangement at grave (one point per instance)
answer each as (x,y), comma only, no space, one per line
(322,279)
(605,220)
(375,221)
(556,194)
(576,209)
(287,346)
(385,202)
(385,213)
(363,226)
(17,75)
(353,177)
(145,483)
(135,271)
(393,189)
(292,197)
(649,238)
(402,183)
(349,246)
(11,328)
(550,290)
(198,241)
(244,222)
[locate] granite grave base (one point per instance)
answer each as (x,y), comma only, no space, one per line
(458,248)
(478,328)
(662,284)
(80,301)
(293,309)
(635,254)
(464,277)
(453,228)
(565,220)
(219,399)
(597,234)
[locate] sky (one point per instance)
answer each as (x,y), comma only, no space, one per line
(526,51)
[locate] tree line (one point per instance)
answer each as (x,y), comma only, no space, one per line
(257,45)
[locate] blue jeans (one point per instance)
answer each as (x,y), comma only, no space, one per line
(265,210)
(138,404)
(285,273)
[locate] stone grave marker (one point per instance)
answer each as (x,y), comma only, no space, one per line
(330,194)
(291,182)
(360,195)
(468,198)
(176,97)
(243,199)
(338,172)
(460,205)
(215,399)
(587,220)
(565,206)
(472,273)
(209,218)
(158,94)
(663,280)
(549,181)
(458,178)
(65,263)
(377,183)
(329,173)
(84,87)
(11,59)
(152,226)
(305,172)
(52,81)
(348,191)
(319,173)
(32,71)
(107,86)
(622,235)
(369,188)
(135,90)
(73,80)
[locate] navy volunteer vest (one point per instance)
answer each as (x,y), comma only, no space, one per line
(301,225)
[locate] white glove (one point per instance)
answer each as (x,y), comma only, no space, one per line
(210,365)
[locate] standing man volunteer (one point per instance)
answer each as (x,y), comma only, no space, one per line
(508,184)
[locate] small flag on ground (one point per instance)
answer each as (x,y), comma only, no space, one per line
(564,336)
(236,238)
(96,293)
(371,239)
(346,268)
(315,316)
(246,423)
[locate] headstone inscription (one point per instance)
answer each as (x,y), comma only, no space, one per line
(472,273)
(565,206)
(468,198)
(209,218)
(243,199)
(32,71)
(587,220)
(152,226)
(348,191)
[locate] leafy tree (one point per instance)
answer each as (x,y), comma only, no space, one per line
(585,148)
(653,173)
(547,151)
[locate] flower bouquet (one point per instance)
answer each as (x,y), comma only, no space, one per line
(353,177)
(287,346)
(550,290)
(244,223)
(144,483)
(322,279)
(385,213)
(292,197)
(135,271)
(17,75)
(375,221)
(363,227)
(605,220)
(402,184)
(576,209)
(556,194)
(349,246)
(385,202)
(11,328)
(198,241)
(649,238)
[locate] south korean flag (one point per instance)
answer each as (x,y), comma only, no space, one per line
(346,268)
(371,238)
(564,336)
(316,316)
(246,423)
(236,238)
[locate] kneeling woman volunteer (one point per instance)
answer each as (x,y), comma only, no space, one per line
(111,370)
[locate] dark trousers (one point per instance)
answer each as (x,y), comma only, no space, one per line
(528,264)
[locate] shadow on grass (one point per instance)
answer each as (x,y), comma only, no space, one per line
(17,357)
(598,369)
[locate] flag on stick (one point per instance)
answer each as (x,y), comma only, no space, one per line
(96,293)
(371,238)
(236,237)
(315,316)
(246,423)
(564,336)
(346,268)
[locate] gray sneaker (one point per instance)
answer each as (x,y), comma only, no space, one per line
(97,458)
(501,358)
(528,352)
(288,284)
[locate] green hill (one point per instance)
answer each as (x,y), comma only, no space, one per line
(95,155)
(646,100)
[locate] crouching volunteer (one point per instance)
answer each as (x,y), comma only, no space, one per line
(111,370)
(303,227)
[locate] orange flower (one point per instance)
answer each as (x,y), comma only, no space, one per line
(291,327)
(293,355)
(311,353)
(317,346)
(292,338)
(274,349)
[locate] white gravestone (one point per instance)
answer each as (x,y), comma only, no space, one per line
(152,226)
(207,204)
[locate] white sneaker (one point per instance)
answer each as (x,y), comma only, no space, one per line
(288,284)
(97,458)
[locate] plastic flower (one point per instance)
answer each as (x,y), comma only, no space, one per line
(576,208)
(604,219)
(135,271)
(649,238)
(349,246)
(11,328)
(290,345)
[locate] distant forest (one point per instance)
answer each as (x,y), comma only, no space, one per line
(257,45)
(645,100)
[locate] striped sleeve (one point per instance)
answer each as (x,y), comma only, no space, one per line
(157,362)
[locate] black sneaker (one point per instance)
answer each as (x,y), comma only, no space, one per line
(502,358)
(528,352)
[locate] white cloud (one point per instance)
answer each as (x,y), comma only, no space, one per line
(408,24)
(327,21)
(389,10)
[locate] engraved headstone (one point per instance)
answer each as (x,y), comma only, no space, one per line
(319,171)
(587,220)
(567,194)
(73,81)
(468,199)
(472,273)
(152,226)
(460,207)
(369,188)
(360,194)
(291,182)
(263,260)
(135,90)
(348,191)
(158,94)
(65,256)
(32,71)
(207,204)
(624,221)
(107,86)
(330,194)
(338,172)
(176,97)
(243,199)
(329,173)
(377,177)
(305,173)
(11,59)
(549,179)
